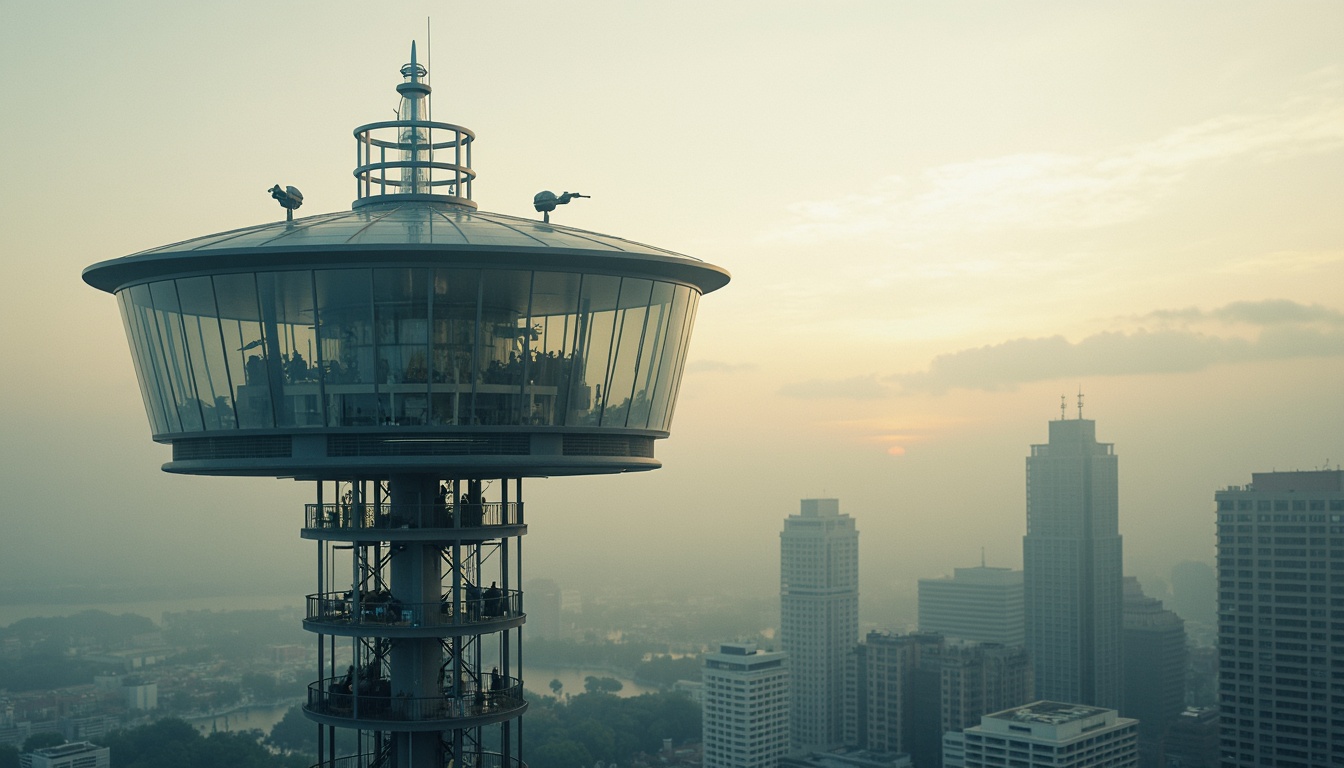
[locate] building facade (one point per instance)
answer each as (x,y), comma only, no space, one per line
(906,691)
(744,707)
(81,754)
(1281,620)
(1155,660)
(819,616)
(980,604)
(1049,733)
(1071,560)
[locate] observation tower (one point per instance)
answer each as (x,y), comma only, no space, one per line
(415,360)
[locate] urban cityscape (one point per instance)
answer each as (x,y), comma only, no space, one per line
(1004,346)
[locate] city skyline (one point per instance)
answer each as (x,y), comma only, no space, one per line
(938,219)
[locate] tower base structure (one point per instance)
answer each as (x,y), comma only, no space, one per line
(418,615)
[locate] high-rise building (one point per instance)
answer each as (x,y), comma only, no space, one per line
(1281,620)
(906,691)
(1155,659)
(744,707)
(980,604)
(1054,735)
(819,616)
(1072,566)
(403,359)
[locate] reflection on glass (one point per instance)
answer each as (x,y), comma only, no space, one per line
(407,347)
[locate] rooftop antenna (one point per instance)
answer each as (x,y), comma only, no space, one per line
(1063,407)
(546,200)
(429,64)
(1080,402)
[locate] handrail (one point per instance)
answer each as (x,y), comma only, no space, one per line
(332,697)
(362,516)
(468,760)
(384,611)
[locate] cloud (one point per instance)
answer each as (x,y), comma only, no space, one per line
(1278,312)
(1006,365)
(1186,340)
(1064,192)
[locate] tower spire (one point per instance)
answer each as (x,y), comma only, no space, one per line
(1080,402)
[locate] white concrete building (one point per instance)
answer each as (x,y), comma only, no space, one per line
(819,617)
(1281,620)
(1048,733)
(745,707)
(80,754)
(1071,561)
(980,604)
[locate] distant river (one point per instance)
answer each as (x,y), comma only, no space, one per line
(154,609)
(244,719)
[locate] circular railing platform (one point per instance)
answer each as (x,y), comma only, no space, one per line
(382,616)
(332,703)
(466,760)
(398,522)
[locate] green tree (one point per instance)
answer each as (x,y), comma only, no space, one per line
(593,684)
(9,756)
(556,685)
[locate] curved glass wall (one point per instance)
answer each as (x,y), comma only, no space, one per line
(408,347)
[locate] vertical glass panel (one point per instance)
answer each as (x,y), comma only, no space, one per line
(153,355)
(345,339)
(205,348)
(452,342)
(694,302)
(555,302)
(168,317)
(630,316)
(245,348)
(651,351)
(147,337)
(401,319)
(502,341)
(296,341)
(666,382)
(592,352)
(143,371)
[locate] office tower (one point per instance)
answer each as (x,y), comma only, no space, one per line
(1072,568)
(1281,620)
(1054,735)
(880,695)
(1155,659)
(745,707)
(906,691)
(819,616)
(980,604)
(406,359)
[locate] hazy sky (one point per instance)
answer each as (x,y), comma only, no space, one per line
(939,217)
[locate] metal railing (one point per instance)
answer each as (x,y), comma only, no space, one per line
(359,516)
(381,611)
(333,697)
(465,760)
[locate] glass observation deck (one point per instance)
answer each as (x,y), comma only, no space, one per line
(407,347)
